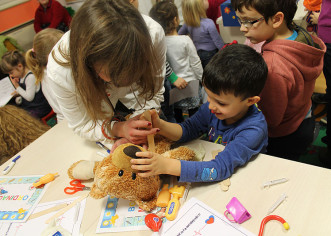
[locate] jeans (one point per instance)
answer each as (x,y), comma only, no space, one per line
(206,56)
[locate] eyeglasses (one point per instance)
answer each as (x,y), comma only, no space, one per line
(249,23)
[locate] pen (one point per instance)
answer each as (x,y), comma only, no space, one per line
(11,165)
(103,146)
(277,203)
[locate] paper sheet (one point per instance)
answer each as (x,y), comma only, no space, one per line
(191,90)
(21,198)
(196,218)
(70,221)
(6,88)
(121,215)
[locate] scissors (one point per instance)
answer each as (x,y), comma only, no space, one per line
(76,185)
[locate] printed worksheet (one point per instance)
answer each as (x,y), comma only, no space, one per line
(196,218)
(121,215)
(6,89)
(19,197)
(69,221)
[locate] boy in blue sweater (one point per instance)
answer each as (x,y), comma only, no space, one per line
(233,79)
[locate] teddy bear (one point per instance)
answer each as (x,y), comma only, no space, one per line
(114,176)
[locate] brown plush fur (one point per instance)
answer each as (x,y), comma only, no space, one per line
(17,130)
(141,190)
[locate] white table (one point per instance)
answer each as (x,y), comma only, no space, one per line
(307,209)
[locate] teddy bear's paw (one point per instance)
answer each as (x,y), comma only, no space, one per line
(180,153)
(96,192)
(199,151)
(147,205)
(82,170)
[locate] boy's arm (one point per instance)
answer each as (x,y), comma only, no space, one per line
(238,152)
(169,130)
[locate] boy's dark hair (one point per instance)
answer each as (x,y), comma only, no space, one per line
(11,59)
(164,13)
(268,8)
(236,69)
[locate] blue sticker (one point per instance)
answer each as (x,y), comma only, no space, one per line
(209,174)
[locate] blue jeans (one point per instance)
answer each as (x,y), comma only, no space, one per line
(168,110)
(206,56)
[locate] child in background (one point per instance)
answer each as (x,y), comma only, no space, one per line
(33,100)
(295,60)
(181,54)
(18,130)
(202,30)
(37,58)
(313,7)
(170,78)
(233,79)
(214,10)
(51,14)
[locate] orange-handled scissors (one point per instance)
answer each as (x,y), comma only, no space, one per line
(76,186)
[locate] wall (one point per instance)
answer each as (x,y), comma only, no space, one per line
(17,15)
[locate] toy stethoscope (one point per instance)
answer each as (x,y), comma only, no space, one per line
(272,217)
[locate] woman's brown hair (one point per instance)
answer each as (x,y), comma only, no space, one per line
(111,33)
(193,10)
(37,58)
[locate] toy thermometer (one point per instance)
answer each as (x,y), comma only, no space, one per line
(173,205)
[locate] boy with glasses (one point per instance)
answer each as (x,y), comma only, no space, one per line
(295,60)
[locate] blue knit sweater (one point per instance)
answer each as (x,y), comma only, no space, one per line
(242,140)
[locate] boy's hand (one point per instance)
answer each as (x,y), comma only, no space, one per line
(180,83)
(156,121)
(152,164)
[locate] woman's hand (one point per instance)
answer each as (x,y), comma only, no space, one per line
(180,83)
(134,130)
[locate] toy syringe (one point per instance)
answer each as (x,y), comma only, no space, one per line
(277,203)
(274,182)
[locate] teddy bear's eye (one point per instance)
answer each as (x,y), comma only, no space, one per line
(133,176)
(120,173)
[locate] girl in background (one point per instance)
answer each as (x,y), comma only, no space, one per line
(201,29)
(181,54)
(110,52)
(37,59)
(24,81)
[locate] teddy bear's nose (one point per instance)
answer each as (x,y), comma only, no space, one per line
(131,151)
